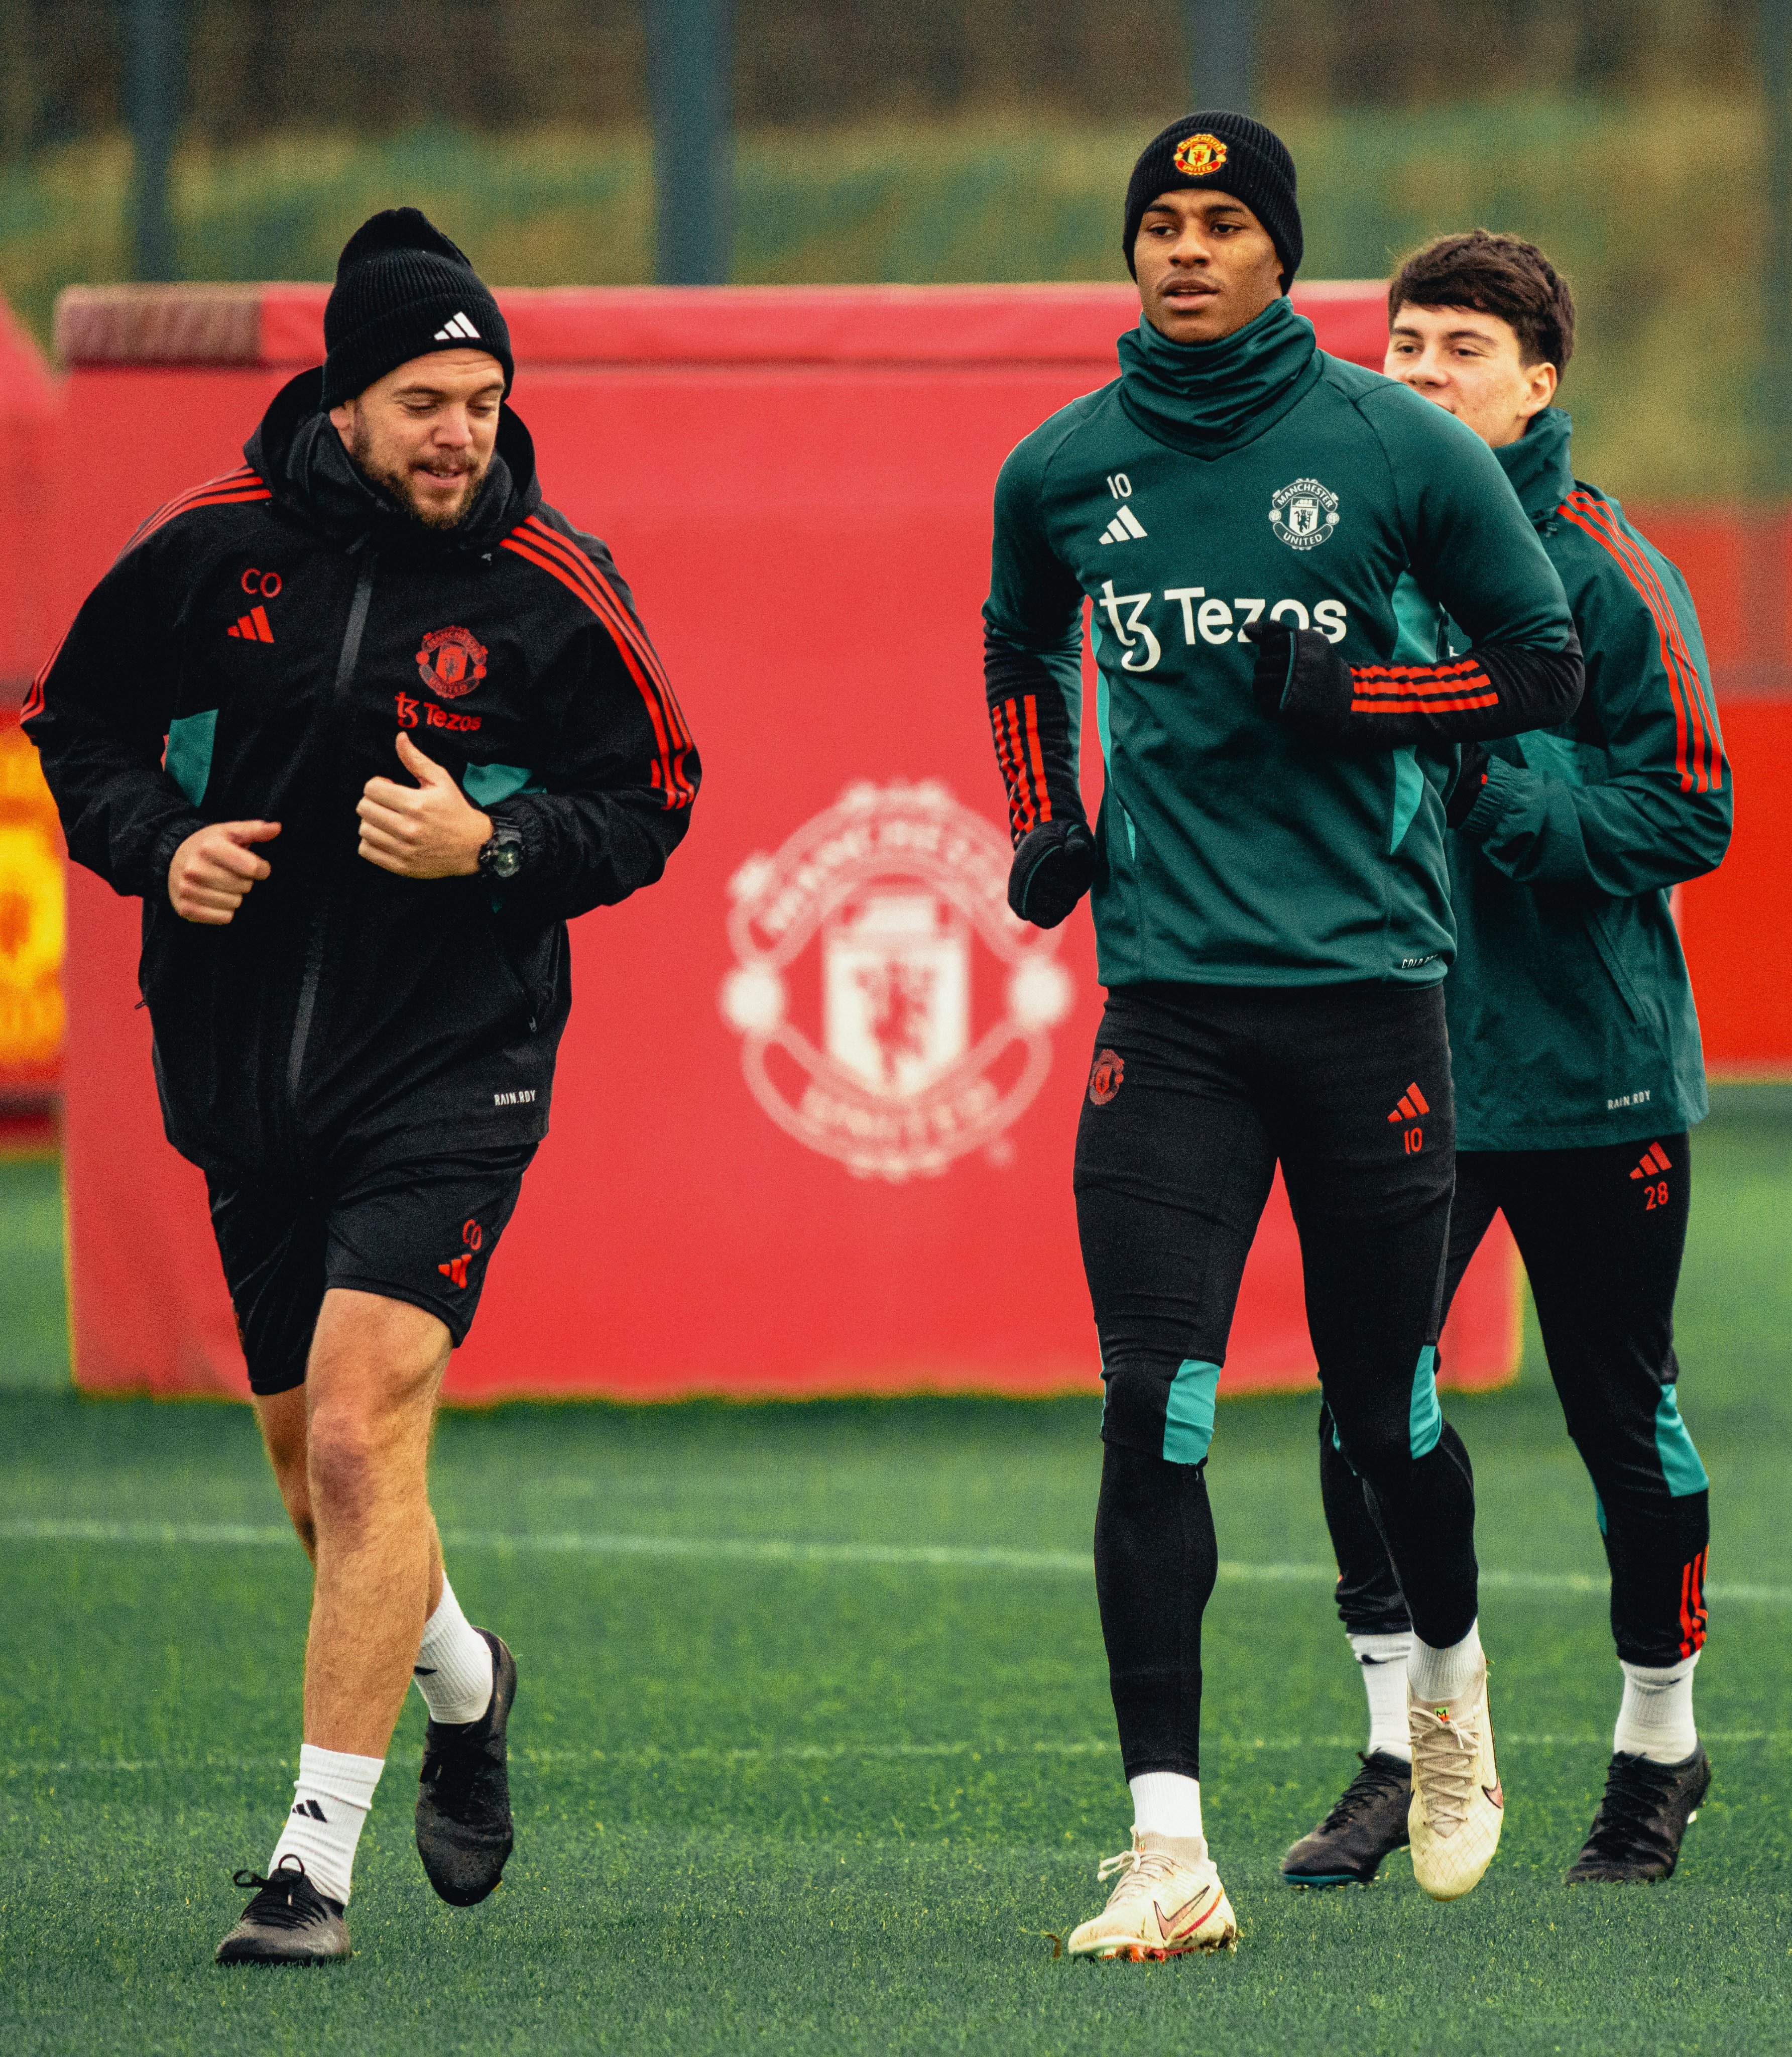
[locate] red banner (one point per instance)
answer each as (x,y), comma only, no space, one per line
(813,1123)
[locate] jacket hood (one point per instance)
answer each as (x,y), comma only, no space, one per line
(1538,464)
(297,450)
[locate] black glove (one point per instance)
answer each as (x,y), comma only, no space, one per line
(1471,776)
(1301,682)
(1053,868)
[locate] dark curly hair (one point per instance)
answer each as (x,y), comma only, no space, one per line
(1495,274)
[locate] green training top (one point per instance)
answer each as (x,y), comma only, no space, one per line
(1208,487)
(1572,1021)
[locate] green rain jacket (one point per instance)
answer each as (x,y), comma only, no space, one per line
(1215,485)
(1571,1015)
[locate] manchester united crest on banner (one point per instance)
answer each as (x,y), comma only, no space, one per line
(893,1014)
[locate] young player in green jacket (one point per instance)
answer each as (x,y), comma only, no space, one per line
(1264,537)
(1578,1070)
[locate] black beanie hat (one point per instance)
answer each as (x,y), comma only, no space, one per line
(1223,153)
(403,290)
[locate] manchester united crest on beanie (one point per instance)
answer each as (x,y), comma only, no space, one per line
(402,291)
(1226,153)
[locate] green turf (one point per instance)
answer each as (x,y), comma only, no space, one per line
(823,1803)
(33,1301)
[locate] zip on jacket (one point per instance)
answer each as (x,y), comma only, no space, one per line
(318,932)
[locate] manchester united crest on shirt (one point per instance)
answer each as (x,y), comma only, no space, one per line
(1304,514)
(893,1014)
(451,662)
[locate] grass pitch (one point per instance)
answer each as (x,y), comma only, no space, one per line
(812,1750)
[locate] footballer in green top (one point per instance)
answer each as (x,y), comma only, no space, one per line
(1577,1061)
(1264,539)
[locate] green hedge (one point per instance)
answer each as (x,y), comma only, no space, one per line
(1654,212)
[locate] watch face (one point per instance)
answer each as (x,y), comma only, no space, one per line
(507,861)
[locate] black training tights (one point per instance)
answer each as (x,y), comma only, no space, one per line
(1601,1231)
(1196,1093)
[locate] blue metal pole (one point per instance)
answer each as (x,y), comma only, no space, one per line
(153,93)
(691,84)
(1222,53)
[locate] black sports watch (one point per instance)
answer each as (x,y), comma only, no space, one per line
(500,856)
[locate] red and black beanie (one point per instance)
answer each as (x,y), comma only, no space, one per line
(403,290)
(1223,153)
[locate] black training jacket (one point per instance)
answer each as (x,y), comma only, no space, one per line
(253,653)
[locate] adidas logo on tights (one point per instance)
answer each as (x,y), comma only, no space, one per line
(1413,1103)
(1655,1161)
(1124,528)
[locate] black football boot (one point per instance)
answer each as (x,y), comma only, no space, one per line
(1368,1822)
(464,1829)
(1647,1808)
(288,1922)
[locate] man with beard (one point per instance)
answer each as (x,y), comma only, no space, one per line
(364,723)
(1273,921)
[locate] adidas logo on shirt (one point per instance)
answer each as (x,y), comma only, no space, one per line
(252,627)
(1124,528)
(457,328)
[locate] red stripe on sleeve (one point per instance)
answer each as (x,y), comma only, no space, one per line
(1428,687)
(1591,518)
(1013,776)
(1708,755)
(34,699)
(1012,768)
(1002,766)
(668,774)
(1029,810)
(624,629)
(1488,699)
(610,603)
(233,487)
(1038,757)
(1461,668)
(1700,767)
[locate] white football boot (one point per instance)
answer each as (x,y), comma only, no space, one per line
(1168,1901)
(1457,1807)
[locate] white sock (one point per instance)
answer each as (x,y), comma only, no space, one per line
(1383,1659)
(1165,1803)
(331,1795)
(1654,1717)
(1444,1674)
(453,1668)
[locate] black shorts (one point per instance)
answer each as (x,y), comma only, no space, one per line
(418,1229)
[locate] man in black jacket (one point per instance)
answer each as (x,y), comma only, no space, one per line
(364,723)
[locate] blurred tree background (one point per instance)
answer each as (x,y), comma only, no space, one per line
(951,139)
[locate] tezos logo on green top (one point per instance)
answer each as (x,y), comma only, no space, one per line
(1304,514)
